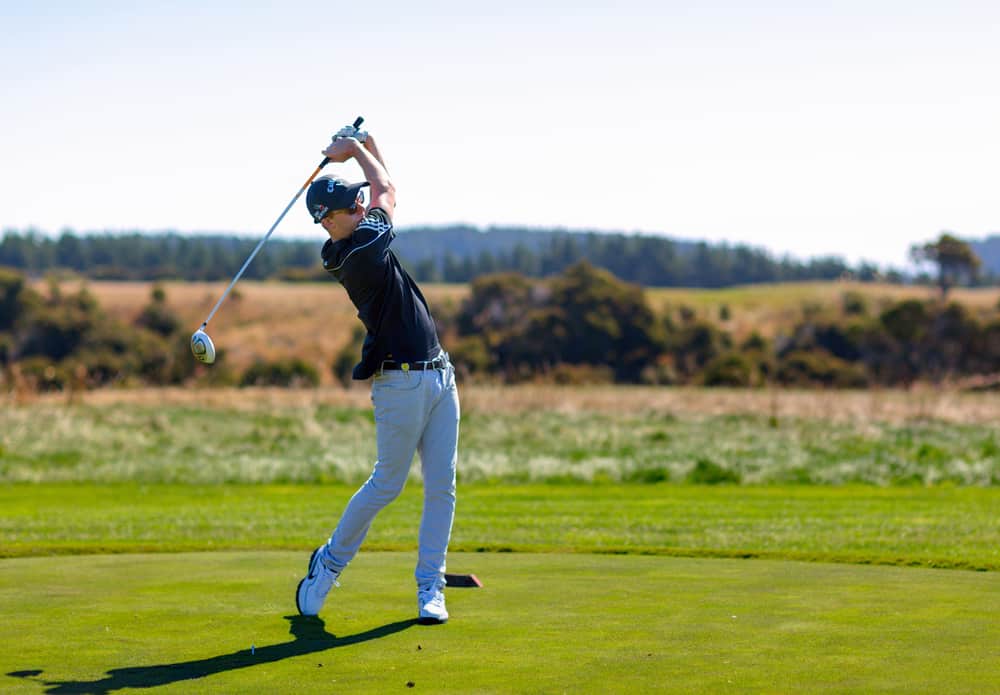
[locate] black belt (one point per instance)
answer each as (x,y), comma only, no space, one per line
(422,366)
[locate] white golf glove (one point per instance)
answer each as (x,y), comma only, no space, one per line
(349,131)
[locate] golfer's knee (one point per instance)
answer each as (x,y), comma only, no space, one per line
(385,489)
(445,493)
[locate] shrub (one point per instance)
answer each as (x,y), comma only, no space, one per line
(840,340)
(347,357)
(660,373)
(42,374)
(854,304)
(991,346)
(16,298)
(102,366)
(730,369)
(755,342)
(906,321)
(648,475)
(470,354)
(696,344)
(708,472)
(576,374)
(157,316)
(585,316)
(6,348)
(293,372)
(812,368)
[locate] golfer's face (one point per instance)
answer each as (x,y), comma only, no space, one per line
(344,219)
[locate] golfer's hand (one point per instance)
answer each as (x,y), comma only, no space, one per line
(341,149)
(349,131)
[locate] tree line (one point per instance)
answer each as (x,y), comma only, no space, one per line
(448,254)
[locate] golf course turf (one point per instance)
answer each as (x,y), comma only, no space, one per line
(943,527)
(542,623)
(616,614)
(158,548)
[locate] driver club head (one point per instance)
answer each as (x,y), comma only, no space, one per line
(202,347)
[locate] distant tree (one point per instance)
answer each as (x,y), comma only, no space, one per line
(583,316)
(450,254)
(695,344)
(954,259)
(523,260)
(426,270)
(157,316)
(452,269)
(603,320)
(16,298)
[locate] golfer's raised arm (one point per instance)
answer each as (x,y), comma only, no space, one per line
(372,147)
(382,191)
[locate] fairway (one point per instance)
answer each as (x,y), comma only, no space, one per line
(186,623)
(931,527)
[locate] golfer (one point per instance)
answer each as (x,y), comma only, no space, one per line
(413,390)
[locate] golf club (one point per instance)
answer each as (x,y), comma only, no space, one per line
(202,346)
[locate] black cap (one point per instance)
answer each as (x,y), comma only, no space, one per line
(331,193)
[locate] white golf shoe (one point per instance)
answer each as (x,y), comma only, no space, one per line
(430,606)
(312,591)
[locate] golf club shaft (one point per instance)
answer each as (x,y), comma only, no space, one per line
(260,244)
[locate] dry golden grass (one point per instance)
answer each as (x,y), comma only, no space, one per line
(769,308)
(259,320)
(264,319)
(270,320)
(894,406)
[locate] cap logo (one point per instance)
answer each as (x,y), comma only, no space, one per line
(330,185)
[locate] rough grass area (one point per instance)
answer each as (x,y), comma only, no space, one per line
(223,622)
(249,440)
(931,527)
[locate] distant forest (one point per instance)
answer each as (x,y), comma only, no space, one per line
(432,254)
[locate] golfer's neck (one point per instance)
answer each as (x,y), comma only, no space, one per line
(338,233)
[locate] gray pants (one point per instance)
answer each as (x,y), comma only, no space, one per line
(414,411)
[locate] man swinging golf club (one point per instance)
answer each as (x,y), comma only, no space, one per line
(413,390)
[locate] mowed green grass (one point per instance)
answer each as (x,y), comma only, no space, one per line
(605,569)
(933,527)
(187,623)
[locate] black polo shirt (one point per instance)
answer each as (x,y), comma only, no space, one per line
(389,303)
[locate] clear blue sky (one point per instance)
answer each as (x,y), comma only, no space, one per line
(849,128)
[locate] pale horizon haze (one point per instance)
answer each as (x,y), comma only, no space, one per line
(853,129)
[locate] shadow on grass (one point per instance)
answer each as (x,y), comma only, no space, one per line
(310,637)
